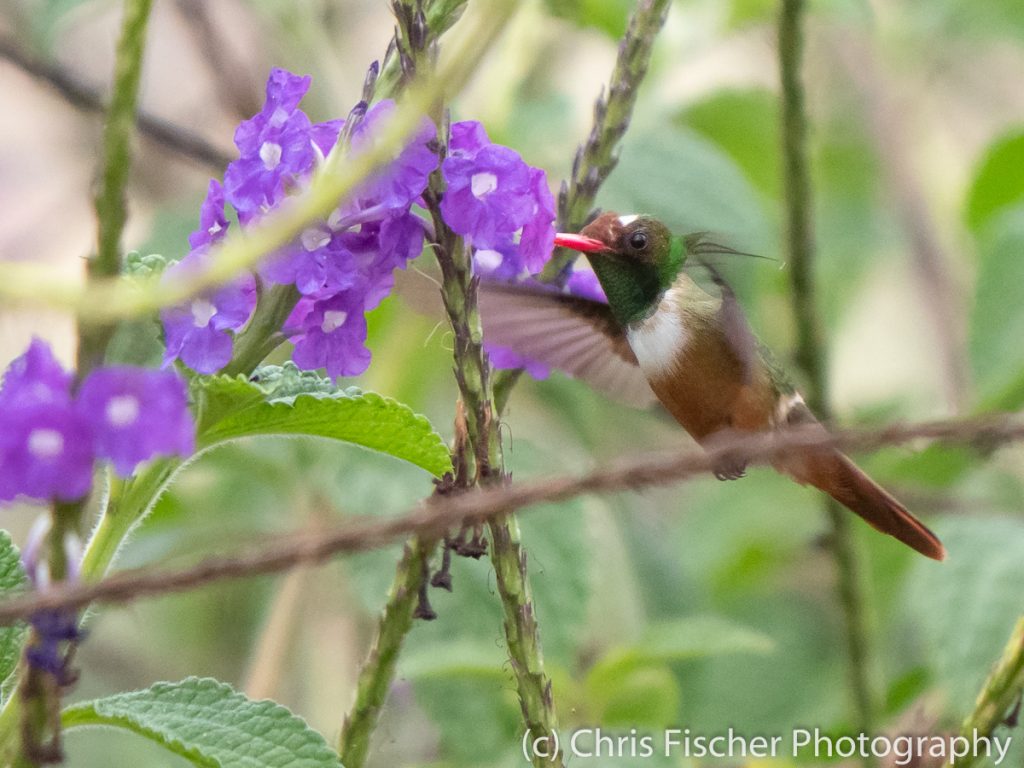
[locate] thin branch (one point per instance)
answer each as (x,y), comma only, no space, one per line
(810,351)
(88,99)
(230,76)
(810,355)
(929,259)
(597,157)
(1000,693)
(111,201)
(473,374)
(442,513)
(378,670)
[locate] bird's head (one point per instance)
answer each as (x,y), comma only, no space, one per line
(635,257)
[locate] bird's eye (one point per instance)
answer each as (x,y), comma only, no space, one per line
(638,240)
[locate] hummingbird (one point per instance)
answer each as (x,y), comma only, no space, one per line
(662,338)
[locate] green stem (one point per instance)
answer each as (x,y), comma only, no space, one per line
(810,352)
(39,691)
(472,372)
(129,503)
(1000,693)
(263,334)
(379,668)
(598,155)
(111,205)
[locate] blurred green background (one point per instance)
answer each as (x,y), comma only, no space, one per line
(707,605)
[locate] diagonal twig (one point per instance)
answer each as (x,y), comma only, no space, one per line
(86,98)
(439,514)
(810,351)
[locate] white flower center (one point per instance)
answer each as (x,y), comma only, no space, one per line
(333,320)
(202,312)
(278,118)
(214,228)
(488,260)
(122,410)
(483,184)
(45,443)
(270,154)
(314,238)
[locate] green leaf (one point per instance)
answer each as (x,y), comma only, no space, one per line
(634,695)
(998,182)
(997,358)
(462,657)
(210,724)
(609,16)
(745,124)
(963,609)
(689,183)
(12,579)
(478,721)
(699,636)
(617,683)
(692,637)
(231,408)
(748,12)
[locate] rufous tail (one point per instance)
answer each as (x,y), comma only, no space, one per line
(840,478)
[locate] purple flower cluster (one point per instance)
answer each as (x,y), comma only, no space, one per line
(50,438)
(342,267)
(498,203)
(200,332)
(506,212)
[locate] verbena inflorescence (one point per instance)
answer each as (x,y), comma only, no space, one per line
(51,432)
(342,267)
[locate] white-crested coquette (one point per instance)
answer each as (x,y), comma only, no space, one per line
(663,338)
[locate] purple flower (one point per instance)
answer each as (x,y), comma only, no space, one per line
(45,452)
(54,628)
(199,333)
(213,224)
(401,182)
(538,238)
(276,147)
(401,239)
(319,264)
(135,414)
(584,283)
(500,263)
(35,378)
(489,195)
(503,357)
(44,445)
(333,336)
(467,138)
(498,202)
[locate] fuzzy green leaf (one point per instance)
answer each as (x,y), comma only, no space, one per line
(12,579)
(301,404)
(965,608)
(996,186)
(995,329)
(210,724)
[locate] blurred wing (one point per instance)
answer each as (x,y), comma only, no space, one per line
(734,325)
(575,335)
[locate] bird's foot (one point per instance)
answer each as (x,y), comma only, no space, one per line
(730,467)
(726,464)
